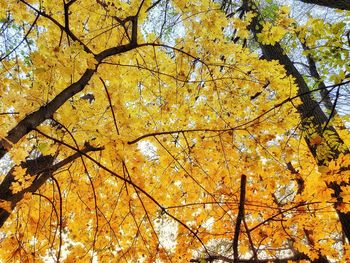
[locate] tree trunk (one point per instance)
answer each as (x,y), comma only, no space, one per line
(338,4)
(309,109)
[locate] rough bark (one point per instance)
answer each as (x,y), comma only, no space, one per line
(326,100)
(308,108)
(337,4)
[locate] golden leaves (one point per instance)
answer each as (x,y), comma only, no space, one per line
(336,170)
(345,194)
(273,31)
(6,205)
(211,110)
(316,140)
(271,34)
(241,24)
(22,180)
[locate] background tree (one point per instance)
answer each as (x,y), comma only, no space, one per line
(173,131)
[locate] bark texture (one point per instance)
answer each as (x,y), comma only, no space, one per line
(310,110)
(338,4)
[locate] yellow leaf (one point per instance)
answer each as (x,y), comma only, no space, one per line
(6,205)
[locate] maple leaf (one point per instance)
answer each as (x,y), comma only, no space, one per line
(173,131)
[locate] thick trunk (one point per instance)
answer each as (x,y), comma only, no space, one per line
(309,109)
(338,4)
(326,100)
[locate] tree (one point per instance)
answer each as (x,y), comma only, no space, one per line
(342,4)
(174,131)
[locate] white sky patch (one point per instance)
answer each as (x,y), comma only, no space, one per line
(166,25)
(5,164)
(208,224)
(167,230)
(148,149)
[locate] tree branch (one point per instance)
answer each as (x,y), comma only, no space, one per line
(35,118)
(314,73)
(24,38)
(271,260)
(129,181)
(242,126)
(41,167)
(337,4)
(309,109)
(239,219)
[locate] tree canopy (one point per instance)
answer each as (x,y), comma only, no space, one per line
(174,131)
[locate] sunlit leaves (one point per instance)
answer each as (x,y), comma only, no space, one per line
(271,34)
(180,119)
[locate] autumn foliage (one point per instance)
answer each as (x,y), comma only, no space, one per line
(174,131)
